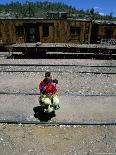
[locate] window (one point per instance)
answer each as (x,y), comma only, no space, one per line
(19,30)
(75,31)
(45,30)
(108,32)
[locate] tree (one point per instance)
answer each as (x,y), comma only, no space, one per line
(92,11)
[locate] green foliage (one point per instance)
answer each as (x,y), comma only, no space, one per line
(39,9)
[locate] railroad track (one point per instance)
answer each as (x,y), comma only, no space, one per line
(91,69)
(60,123)
(11,64)
(81,69)
(61,94)
(15,119)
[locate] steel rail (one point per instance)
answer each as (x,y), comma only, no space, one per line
(28,65)
(83,72)
(60,123)
(75,65)
(60,94)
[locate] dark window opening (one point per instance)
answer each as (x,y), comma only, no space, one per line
(31,32)
(45,31)
(19,30)
(75,31)
(108,33)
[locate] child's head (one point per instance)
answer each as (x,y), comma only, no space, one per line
(48,75)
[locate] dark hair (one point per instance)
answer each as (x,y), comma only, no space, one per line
(47,74)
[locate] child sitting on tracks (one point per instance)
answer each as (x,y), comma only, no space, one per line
(48,98)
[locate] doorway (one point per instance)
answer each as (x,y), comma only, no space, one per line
(31,32)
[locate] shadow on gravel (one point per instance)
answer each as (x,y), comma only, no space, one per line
(64,56)
(41,115)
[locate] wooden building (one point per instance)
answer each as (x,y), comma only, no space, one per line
(60,30)
(103,30)
(44,30)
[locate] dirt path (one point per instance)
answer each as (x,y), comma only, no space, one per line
(62,140)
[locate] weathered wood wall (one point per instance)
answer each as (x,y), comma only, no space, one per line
(59,31)
(107,31)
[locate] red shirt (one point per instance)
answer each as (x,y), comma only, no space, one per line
(47,88)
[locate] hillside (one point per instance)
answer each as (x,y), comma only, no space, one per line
(40,9)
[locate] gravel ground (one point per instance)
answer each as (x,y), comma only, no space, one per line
(59,61)
(60,69)
(53,140)
(73,109)
(58,140)
(68,82)
(70,78)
